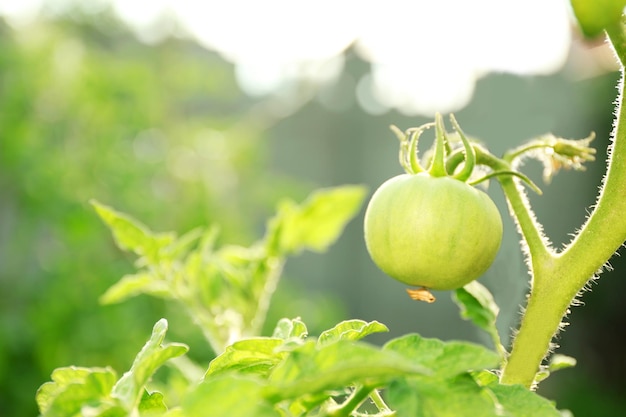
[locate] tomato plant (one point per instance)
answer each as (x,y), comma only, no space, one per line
(432,231)
(420,226)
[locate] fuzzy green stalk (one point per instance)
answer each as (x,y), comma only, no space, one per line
(558,278)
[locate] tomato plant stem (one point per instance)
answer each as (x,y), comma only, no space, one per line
(547,304)
(378,401)
(353,402)
(274,268)
(558,278)
(534,244)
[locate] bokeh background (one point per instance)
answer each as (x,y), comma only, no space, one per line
(195,114)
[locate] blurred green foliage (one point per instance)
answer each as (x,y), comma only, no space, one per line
(87,111)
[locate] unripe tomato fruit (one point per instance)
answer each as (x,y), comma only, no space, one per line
(435,232)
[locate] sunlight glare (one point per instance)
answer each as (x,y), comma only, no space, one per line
(426,55)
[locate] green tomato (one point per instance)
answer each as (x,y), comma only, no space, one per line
(435,232)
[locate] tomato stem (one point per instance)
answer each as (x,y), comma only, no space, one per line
(354,401)
(519,175)
(559,277)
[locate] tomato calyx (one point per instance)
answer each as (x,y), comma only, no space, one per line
(437,167)
(446,158)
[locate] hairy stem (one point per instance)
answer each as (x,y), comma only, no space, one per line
(274,266)
(535,245)
(353,402)
(558,278)
(547,304)
(378,401)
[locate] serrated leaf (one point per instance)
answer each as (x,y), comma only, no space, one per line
(518,401)
(350,330)
(446,359)
(129,234)
(72,387)
(456,397)
(309,370)
(130,386)
(132,285)
(596,15)
(227,395)
(290,328)
(250,356)
(316,223)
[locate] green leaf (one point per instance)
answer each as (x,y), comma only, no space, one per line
(316,223)
(477,305)
(175,412)
(309,370)
(151,404)
(518,401)
(446,359)
(290,328)
(456,397)
(72,388)
(133,285)
(596,15)
(484,378)
(182,245)
(250,356)
(131,235)
(129,388)
(228,395)
(350,330)
(558,362)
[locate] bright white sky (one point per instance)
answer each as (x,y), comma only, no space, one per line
(426,55)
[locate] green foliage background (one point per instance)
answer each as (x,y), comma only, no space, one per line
(87,111)
(163,132)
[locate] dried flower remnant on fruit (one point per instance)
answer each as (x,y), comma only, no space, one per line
(421,294)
